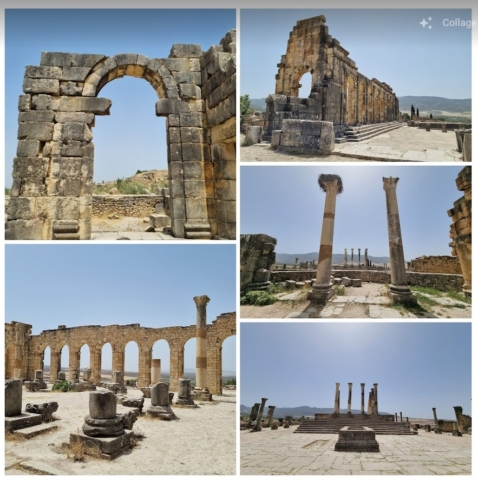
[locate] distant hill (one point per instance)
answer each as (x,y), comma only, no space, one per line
(297,412)
(424,103)
(435,104)
(338,258)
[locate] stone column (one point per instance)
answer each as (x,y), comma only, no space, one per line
(337,399)
(399,289)
(74,365)
(155,371)
(459,419)
(54,366)
(144,374)
(370,402)
(401,416)
(435,416)
(366,258)
(253,414)
(176,356)
(201,342)
(322,289)
(375,397)
(359,258)
(18,360)
(362,405)
(349,403)
(258,427)
(118,361)
(396,417)
(352,258)
(345,257)
(95,365)
(270,414)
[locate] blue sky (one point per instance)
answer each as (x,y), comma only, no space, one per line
(417,365)
(285,202)
(153,285)
(131,137)
(387,44)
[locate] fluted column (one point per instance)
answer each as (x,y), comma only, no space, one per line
(399,289)
(345,257)
(359,258)
(349,403)
(352,258)
(322,289)
(375,399)
(201,341)
(362,404)
(337,399)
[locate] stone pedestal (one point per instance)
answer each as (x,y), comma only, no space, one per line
(159,221)
(155,371)
(108,447)
(322,290)
(184,393)
(357,439)
(399,290)
(160,407)
(13,397)
(61,376)
(253,135)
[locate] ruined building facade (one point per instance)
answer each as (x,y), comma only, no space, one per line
(339,93)
(24,352)
(51,194)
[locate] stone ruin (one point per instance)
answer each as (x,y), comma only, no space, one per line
(104,429)
(160,407)
(24,352)
(51,194)
(357,439)
(185,398)
(459,428)
(37,383)
(341,98)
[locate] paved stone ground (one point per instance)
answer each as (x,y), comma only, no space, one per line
(125,228)
(280,452)
(201,442)
(367,301)
(405,144)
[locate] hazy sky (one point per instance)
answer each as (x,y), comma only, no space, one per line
(387,44)
(131,137)
(153,285)
(286,202)
(417,365)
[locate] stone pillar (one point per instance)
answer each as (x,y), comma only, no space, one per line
(345,257)
(337,399)
(176,356)
(459,419)
(118,361)
(401,416)
(155,371)
(322,289)
(54,365)
(201,342)
(102,406)
(184,393)
(13,397)
(362,404)
(74,365)
(160,402)
(95,364)
(396,417)
(144,374)
(270,414)
(87,375)
(399,289)
(258,427)
(253,414)
(436,419)
(352,258)
(375,398)
(214,367)
(366,258)
(117,377)
(359,258)
(349,403)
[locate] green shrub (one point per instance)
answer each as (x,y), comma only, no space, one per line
(62,386)
(231,381)
(258,297)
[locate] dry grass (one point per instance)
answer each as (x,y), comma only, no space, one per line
(12,436)
(78,450)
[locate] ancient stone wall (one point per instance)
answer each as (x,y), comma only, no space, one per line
(339,94)
(125,205)
(257,257)
(29,355)
(436,264)
(51,194)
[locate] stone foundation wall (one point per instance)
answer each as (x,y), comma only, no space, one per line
(441,281)
(125,205)
(257,257)
(436,264)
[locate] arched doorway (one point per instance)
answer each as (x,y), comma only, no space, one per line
(305,85)
(46,364)
(130,370)
(160,362)
(106,363)
(64,362)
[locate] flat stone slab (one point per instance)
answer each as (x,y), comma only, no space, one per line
(22,421)
(290,296)
(43,468)
(107,448)
(30,432)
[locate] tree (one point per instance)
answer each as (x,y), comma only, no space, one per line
(246,105)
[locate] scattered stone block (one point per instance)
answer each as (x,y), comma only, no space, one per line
(346,281)
(160,407)
(290,284)
(253,135)
(356,282)
(357,439)
(13,397)
(184,394)
(46,410)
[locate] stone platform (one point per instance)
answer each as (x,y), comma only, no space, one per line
(23,420)
(357,439)
(30,432)
(108,448)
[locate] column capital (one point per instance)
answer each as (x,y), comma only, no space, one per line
(362,384)
(330,183)
(390,182)
(201,301)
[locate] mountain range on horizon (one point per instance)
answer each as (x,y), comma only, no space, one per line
(434,105)
(306,411)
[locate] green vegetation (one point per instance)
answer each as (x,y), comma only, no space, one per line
(62,386)
(246,105)
(7,191)
(231,381)
(128,187)
(131,382)
(257,297)
(340,290)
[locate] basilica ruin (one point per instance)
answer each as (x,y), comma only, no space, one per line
(341,98)
(24,352)
(51,194)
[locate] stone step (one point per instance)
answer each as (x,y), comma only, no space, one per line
(368,127)
(353,136)
(66,236)
(30,432)
(333,426)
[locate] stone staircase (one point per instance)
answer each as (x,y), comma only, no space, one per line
(333,425)
(364,132)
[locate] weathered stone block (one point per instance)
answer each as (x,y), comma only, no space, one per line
(28,148)
(13,397)
(44,102)
(191,152)
(99,106)
(35,131)
(183,50)
(46,86)
(75,74)
(253,135)
(190,119)
(42,72)
(24,103)
(36,116)
(189,91)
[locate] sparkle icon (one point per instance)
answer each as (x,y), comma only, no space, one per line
(423,23)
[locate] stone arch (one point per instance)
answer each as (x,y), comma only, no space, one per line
(51,194)
(304,83)
(99,360)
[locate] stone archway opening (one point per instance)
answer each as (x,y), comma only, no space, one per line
(84,359)
(305,85)
(228,361)
(64,359)
(106,363)
(130,371)
(160,362)
(46,364)
(189,366)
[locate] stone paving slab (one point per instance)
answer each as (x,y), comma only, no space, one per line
(279,452)
(132,236)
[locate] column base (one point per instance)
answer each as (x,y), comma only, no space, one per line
(402,294)
(320,294)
